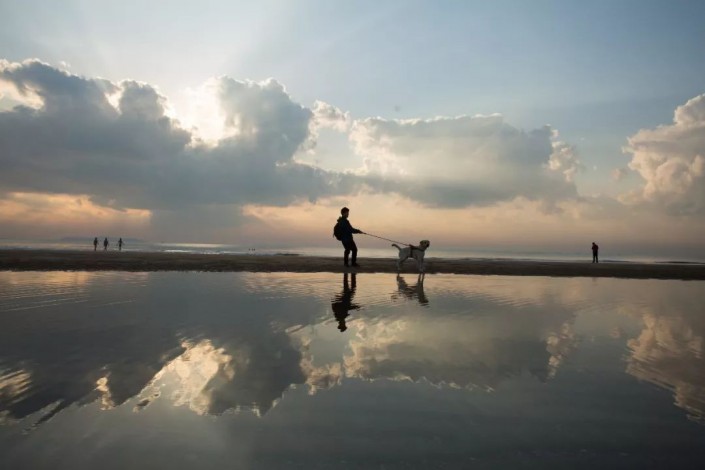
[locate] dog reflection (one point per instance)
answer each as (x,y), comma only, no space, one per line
(414,291)
(343,302)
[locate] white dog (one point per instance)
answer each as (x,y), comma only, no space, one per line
(411,251)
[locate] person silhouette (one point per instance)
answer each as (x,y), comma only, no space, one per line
(95,244)
(105,244)
(346,237)
(342,303)
(120,244)
(595,249)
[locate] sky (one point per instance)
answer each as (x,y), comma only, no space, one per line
(515,125)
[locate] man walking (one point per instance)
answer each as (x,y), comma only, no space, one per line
(344,232)
(595,249)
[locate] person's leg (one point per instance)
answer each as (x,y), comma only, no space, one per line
(353,248)
(346,253)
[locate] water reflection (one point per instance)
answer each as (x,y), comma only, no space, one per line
(670,349)
(468,351)
(342,303)
(410,292)
(215,343)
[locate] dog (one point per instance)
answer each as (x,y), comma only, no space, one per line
(411,251)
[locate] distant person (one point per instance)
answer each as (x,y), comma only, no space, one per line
(95,244)
(105,244)
(343,231)
(120,244)
(595,249)
(342,303)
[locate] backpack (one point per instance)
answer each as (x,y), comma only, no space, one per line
(338,231)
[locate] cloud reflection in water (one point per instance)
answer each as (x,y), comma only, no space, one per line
(218,343)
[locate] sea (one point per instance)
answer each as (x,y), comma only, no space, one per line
(378,250)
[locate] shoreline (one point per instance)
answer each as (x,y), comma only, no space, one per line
(84,260)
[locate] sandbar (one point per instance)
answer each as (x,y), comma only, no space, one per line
(53,260)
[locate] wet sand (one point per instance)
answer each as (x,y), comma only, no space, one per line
(47,260)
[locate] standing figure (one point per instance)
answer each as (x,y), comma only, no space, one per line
(343,231)
(105,244)
(595,249)
(120,244)
(95,244)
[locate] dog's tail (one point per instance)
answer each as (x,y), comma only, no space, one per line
(398,247)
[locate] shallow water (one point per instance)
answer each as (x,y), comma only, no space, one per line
(243,370)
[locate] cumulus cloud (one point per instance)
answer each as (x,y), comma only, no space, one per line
(327,115)
(564,160)
(122,145)
(464,161)
(132,153)
(671,160)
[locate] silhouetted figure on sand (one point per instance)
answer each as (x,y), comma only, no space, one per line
(595,249)
(120,244)
(95,244)
(343,231)
(342,303)
(105,244)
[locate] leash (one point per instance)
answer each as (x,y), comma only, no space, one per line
(387,239)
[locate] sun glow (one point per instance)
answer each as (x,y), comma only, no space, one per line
(199,110)
(65,214)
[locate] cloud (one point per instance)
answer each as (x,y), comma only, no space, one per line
(464,161)
(328,116)
(618,174)
(671,160)
(78,142)
(564,159)
(124,146)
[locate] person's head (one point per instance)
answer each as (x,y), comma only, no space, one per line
(344,211)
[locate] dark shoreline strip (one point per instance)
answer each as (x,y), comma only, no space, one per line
(49,260)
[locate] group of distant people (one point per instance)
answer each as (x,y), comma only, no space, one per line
(106,243)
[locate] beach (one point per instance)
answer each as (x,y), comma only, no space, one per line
(82,260)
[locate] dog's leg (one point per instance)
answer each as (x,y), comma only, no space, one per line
(400,261)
